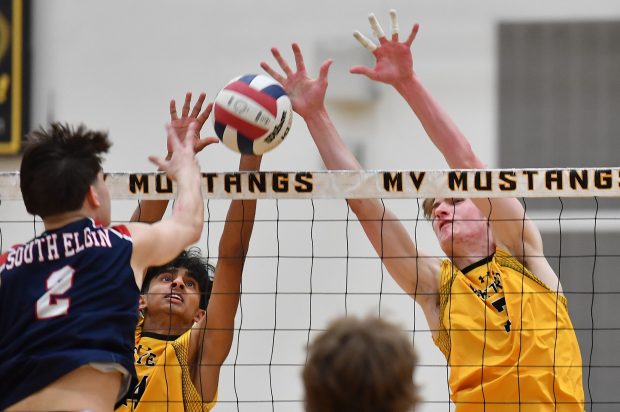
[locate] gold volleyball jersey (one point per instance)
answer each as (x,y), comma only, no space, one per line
(508,339)
(164,381)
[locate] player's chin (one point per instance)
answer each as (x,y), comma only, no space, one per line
(445,237)
(446,243)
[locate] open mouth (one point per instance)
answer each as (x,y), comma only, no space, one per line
(174,297)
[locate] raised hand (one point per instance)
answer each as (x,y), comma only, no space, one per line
(183,158)
(181,124)
(394,64)
(307,94)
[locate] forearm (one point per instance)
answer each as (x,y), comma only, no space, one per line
(335,154)
(188,208)
(149,211)
(443,132)
(216,338)
(239,224)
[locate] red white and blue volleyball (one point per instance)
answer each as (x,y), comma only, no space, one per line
(252,114)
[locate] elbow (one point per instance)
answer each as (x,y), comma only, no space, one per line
(194,232)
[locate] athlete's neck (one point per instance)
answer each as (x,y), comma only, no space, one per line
(63,219)
(471,252)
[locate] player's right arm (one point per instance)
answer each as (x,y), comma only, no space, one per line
(415,272)
(158,243)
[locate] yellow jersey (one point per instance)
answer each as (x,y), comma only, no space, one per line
(164,381)
(508,339)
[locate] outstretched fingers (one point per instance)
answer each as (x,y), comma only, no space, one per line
(173,110)
(202,143)
(363,70)
(160,163)
(365,41)
(202,117)
(276,76)
(198,105)
(394,25)
(186,104)
(412,35)
(283,64)
(377,30)
(299,58)
(324,69)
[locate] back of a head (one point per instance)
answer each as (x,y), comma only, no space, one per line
(58,166)
(360,365)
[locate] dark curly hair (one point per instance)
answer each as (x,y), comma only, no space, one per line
(197,267)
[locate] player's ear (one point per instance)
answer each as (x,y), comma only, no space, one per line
(200,313)
(142,303)
(92,197)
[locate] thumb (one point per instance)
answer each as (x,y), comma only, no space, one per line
(365,71)
(202,143)
(324,70)
(158,162)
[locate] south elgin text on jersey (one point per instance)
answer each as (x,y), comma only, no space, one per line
(46,247)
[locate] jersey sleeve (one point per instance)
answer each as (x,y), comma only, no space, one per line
(122,230)
(3,258)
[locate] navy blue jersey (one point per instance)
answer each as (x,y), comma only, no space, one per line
(67,298)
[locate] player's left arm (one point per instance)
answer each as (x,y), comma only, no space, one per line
(151,211)
(211,338)
(394,66)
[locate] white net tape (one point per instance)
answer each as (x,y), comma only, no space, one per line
(309,261)
(522,183)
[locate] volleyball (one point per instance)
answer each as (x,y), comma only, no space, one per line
(252,114)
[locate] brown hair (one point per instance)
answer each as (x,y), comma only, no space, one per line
(59,165)
(360,365)
(427,206)
(198,267)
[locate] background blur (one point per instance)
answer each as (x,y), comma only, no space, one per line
(531,83)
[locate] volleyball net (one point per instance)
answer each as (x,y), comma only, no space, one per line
(309,261)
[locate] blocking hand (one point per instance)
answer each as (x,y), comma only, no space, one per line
(180,124)
(394,61)
(306,94)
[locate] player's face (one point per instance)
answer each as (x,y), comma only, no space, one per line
(174,292)
(456,222)
(103,213)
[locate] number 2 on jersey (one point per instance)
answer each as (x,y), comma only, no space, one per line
(58,283)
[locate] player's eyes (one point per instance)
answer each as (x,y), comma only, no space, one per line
(189,284)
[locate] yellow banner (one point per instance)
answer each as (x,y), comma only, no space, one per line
(11,75)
